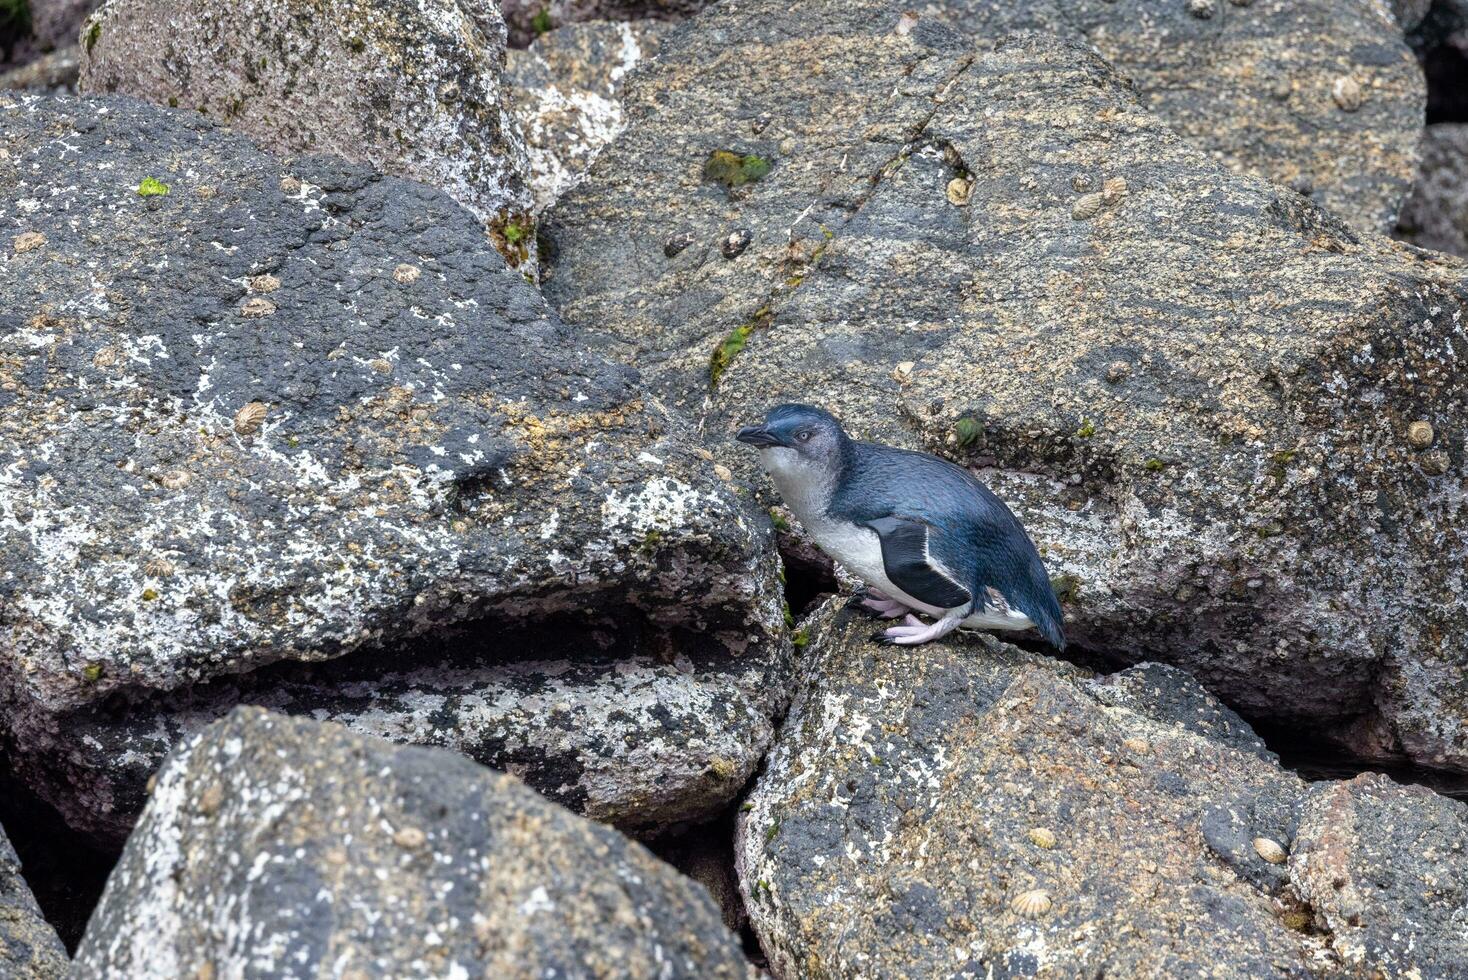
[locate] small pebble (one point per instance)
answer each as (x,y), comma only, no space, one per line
(735,244)
(1347,93)
(409,838)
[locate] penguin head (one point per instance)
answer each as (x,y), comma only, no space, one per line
(797,435)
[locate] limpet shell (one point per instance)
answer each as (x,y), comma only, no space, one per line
(1270,850)
(264,284)
(1086,206)
(1420,434)
(257,306)
(1031,904)
(1113,190)
(247,421)
(409,838)
(1042,837)
(176,479)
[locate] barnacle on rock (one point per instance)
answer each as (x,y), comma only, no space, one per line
(28,241)
(406,274)
(264,283)
(1347,93)
(1031,904)
(1420,434)
(959,191)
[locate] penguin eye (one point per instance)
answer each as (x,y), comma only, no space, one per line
(803,435)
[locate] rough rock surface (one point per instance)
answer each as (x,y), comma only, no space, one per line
(567,93)
(29,947)
(412,87)
(1386,869)
(55,23)
(530,19)
(55,72)
(645,732)
(966,808)
(1323,96)
(1235,427)
(275,846)
(1436,214)
(286,412)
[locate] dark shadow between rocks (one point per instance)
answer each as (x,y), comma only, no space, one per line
(65,871)
(602,709)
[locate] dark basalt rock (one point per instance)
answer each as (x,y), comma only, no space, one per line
(336,853)
(286,411)
(1232,423)
(967,808)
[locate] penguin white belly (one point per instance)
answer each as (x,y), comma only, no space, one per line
(859,550)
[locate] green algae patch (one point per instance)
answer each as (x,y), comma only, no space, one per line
(727,350)
(734,170)
(94,34)
(92,672)
(541,22)
(968,431)
(152,187)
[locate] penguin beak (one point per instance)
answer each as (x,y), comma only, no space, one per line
(757,435)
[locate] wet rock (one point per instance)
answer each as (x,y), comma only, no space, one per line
(412,87)
(1436,214)
(1198,400)
(967,808)
(567,93)
(189,493)
(532,19)
(55,72)
(29,947)
(348,855)
(1385,868)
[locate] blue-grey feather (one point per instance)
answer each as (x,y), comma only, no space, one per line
(975,535)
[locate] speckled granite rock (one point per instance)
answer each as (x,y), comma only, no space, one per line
(55,72)
(29,947)
(1385,867)
(291,411)
(966,808)
(530,19)
(596,711)
(1234,426)
(285,847)
(412,87)
(1322,96)
(1436,214)
(567,93)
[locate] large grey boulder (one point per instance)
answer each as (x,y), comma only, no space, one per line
(567,92)
(285,847)
(1323,96)
(412,87)
(968,809)
(1436,214)
(29,947)
(290,411)
(1234,426)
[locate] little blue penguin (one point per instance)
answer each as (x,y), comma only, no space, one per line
(922,533)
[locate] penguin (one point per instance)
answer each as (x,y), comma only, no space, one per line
(924,535)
